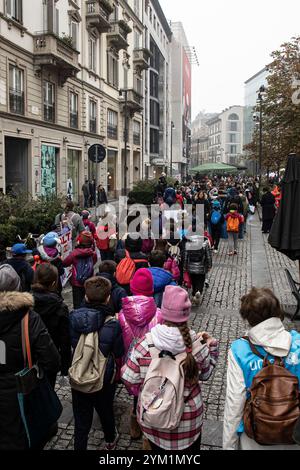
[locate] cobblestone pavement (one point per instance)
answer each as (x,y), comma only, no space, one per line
(256,264)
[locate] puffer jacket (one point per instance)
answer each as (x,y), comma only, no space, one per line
(13,308)
(137,317)
(161,279)
(117,292)
(198,260)
(73,259)
(91,318)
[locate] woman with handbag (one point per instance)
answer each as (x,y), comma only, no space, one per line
(16,309)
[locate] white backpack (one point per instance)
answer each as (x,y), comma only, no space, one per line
(88,367)
(161,403)
(174,251)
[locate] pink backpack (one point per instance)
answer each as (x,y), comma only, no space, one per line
(162,401)
(171,265)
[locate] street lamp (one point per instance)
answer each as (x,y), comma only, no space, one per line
(261,92)
(172,128)
(125,138)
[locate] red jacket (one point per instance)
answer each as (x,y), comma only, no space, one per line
(72,260)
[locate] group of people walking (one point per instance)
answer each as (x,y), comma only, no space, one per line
(132,302)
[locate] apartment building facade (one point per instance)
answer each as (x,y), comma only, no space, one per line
(69,74)
(200,139)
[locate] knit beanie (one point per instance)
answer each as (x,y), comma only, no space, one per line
(9,279)
(142,283)
(176,305)
(85,239)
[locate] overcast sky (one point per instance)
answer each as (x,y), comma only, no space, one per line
(233,39)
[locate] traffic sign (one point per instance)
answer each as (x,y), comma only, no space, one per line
(97,153)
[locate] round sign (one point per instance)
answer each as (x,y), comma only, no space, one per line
(97,153)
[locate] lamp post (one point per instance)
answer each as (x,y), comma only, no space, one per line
(171,161)
(125,139)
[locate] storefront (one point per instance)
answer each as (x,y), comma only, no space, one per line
(112,156)
(49,170)
(73,166)
(17,165)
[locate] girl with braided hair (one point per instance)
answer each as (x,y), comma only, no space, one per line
(175,337)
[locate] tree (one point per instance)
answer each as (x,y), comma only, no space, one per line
(281,108)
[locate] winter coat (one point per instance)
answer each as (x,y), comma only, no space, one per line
(74,219)
(91,318)
(161,279)
(73,260)
(102,198)
(55,315)
(117,292)
(199,260)
(243,365)
(24,270)
(52,256)
(170,196)
(89,226)
(147,246)
(137,317)
(233,199)
(13,307)
(171,265)
(134,373)
(86,190)
(268,206)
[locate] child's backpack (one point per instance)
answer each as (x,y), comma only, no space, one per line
(273,408)
(174,251)
(162,401)
(126,269)
(88,367)
(101,241)
(233,224)
(84,269)
(215,217)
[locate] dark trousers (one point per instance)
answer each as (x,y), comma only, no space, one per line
(198,281)
(84,405)
(78,296)
(194,449)
(86,201)
(267,225)
(216,235)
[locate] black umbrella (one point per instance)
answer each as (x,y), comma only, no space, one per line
(285,232)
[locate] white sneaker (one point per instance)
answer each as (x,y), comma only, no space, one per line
(198,297)
(216,251)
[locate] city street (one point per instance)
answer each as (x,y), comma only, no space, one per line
(256,265)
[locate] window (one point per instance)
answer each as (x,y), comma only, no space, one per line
(154,113)
(112,124)
(16,90)
(49,101)
(233,117)
(232,138)
(137,39)
(154,141)
(153,84)
(74,34)
(233,149)
(125,71)
(233,126)
(112,70)
(92,54)
(14,9)
(138,85)
(137,8)
(114,16)
(136,133)
(150,14)
(93,116)
(74,110)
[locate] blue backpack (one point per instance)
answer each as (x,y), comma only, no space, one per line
(84,269)
(216,217)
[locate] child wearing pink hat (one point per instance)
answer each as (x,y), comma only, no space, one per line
(175,337)
(138,316)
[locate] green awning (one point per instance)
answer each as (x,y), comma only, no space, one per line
(207,168)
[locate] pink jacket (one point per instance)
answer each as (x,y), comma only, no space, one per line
(171,265)
(137,317)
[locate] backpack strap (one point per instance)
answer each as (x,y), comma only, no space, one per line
(26,341)
(154,353)
(277,360)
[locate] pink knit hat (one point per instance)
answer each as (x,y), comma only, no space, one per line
(176,305)
(142,283)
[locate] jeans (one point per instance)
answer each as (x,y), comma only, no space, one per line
(86,201)
(216,235)
(233,241)
(78,296)
(198,281)
(84,405)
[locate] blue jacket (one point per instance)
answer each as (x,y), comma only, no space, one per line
(251,364)
(170,196)
(117,292)
(161,279)
(91,318)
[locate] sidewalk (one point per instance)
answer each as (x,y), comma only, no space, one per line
(257,264)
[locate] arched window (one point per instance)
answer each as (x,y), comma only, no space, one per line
(233,117)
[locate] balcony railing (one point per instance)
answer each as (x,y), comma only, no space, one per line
(16,101)
(97,15)
(141,58)
(52,51)
(49,112)
(117,36)
(112,132)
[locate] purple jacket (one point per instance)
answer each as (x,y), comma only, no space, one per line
(137,317)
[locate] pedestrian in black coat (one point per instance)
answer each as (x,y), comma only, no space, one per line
(54,313)
(268,210)
(14,305)
(94,316)
(21,265)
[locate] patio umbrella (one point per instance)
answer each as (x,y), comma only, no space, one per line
(216,168)
(285,232)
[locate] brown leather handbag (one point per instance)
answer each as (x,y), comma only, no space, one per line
(272,410)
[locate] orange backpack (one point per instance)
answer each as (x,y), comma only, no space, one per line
(233,224)
(126,269)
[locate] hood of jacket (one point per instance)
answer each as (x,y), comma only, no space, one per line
(161,279)
(139,310)
(89,318)
(272,336)
(169,339)
(111,278)
(46,303)
(83,252)
(13,307)
(48,254)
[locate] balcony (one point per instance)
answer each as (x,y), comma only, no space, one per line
(134,102)
(97,15)
(117,36)
(55,53)
(141,59)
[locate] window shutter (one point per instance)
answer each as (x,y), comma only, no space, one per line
(8,7)
(19,12)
